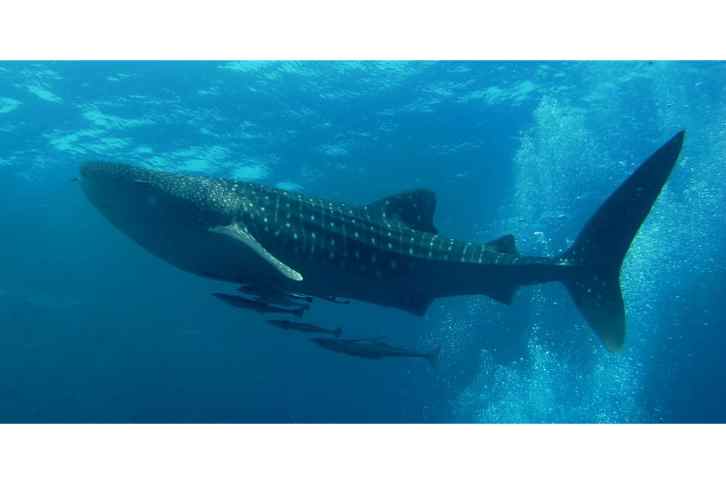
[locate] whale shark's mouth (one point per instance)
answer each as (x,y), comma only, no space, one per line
(97,177)
(114,176)
(97,182)
(89,168)
(90,178)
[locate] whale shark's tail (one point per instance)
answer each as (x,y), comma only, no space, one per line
(597,254)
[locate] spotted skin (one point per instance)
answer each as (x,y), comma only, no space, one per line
(360,252)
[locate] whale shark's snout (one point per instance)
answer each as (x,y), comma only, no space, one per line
(117,191)
(90,169)
(148,193)
(95,171)
(113,176)
(96,175)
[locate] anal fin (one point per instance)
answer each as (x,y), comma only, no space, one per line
(240,234)
(415,303)
(503,294)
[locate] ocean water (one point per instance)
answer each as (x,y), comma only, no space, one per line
(95,329)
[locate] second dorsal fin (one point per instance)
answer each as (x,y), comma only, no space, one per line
(414,209)
(504,244)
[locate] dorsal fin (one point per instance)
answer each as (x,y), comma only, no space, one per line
(504,244)
(415,209)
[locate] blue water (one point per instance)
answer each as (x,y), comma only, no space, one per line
(95,329)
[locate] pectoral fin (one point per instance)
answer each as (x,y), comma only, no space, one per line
(241,235)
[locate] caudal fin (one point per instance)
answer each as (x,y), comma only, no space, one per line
(433,357)
(599,250)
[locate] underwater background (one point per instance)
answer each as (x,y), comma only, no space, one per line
(95,329)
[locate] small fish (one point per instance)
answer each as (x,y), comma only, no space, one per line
(275,296)
(374,348)
(301,297)
(286,325)
(257,306)
(334,299)
(75,179)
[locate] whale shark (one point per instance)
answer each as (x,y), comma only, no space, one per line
(388,252)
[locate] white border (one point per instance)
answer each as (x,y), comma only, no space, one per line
(361,453)
(554,29)
(374,29)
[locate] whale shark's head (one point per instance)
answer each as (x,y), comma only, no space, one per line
(192,222)
(129,196)
(167,213)
(123,194)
